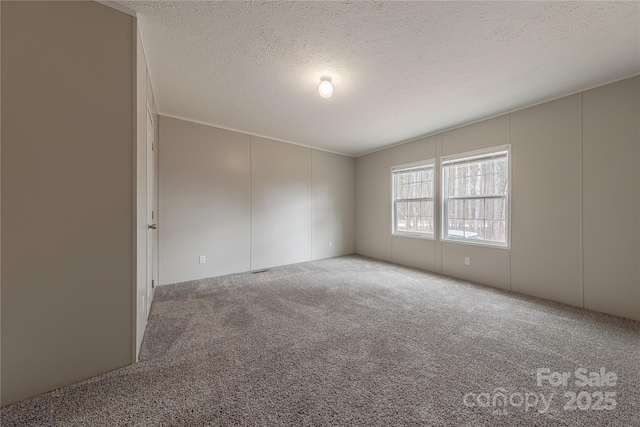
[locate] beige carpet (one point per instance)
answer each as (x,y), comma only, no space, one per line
(352,341)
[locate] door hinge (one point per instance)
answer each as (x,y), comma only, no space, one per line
(153,283)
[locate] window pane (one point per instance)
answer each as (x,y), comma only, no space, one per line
(428,189)
(474,209)
(417,190)
(426,208)
(473,228)
(478,178)
(401,216)
(496,231)
(413,216)
(426,225)
(497,184)
(495,209)
(404,188)
(455,210)
(426,216)
(398,186)
(470,187)
(413,213)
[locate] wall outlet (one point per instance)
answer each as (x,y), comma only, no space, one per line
(203,259)
(467,260)
(330,244)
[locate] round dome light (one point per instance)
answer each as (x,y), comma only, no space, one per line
(326,88)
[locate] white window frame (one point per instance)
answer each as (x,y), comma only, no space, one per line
(409,166)
(469,155)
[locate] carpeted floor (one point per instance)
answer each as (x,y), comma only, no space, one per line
(353,341)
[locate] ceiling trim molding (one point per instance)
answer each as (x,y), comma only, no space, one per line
(628,76)
(171,116)
(118,7)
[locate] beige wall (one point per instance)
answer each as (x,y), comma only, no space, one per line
(205,201)
(281,205)
(546,250)
(373,205)
(575,194)
(67,193)
(611,204)
(0,212)
(247,203)
(333,198)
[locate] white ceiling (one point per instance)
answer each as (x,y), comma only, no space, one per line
(400,70)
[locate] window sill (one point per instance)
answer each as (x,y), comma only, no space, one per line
(472,243)
(414,236)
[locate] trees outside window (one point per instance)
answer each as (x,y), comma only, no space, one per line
(475,197)
(413,199)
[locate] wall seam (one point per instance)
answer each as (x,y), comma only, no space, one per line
(439,152)
(511,192)
(157,189)
(311,258)
(134,199)
(355,206)
(581,213)
(389,224)
(391,213)
(250,203)
(0,219)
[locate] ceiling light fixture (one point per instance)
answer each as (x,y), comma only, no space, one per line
(325,88)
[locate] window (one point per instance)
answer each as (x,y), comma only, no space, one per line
(475,197)
(413,205)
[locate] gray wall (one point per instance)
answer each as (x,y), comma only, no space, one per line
(547,201)
(611,150)
(333,200)
(67,194)
(575,202)
(247,203)
(205,201)
(280,203)
(0,212)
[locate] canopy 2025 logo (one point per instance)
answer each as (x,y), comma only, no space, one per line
(597,400)
(594,393)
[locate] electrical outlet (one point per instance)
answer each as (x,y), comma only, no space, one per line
(467,260)
(330,244)
(203,259)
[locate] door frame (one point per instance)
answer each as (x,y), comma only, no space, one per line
(152,250)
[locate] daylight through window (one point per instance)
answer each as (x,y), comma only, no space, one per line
(413,204)
(475,197)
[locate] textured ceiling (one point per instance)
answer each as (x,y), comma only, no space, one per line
(400,70)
